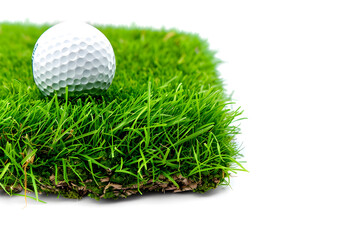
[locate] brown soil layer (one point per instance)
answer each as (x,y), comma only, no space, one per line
(104,189)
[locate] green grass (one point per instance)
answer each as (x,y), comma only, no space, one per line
(165,124)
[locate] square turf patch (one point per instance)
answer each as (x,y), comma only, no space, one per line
(164,124)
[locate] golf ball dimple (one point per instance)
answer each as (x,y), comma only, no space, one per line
(74,55)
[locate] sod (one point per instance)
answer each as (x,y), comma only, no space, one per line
(166,123)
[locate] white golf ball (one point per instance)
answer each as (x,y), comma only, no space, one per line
(74,55)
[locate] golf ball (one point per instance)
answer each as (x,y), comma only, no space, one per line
(74,55)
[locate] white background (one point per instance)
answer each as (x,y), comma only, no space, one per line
(294,67)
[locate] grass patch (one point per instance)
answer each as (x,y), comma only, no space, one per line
(165,124)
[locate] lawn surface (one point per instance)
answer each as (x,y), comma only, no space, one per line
(165,124)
